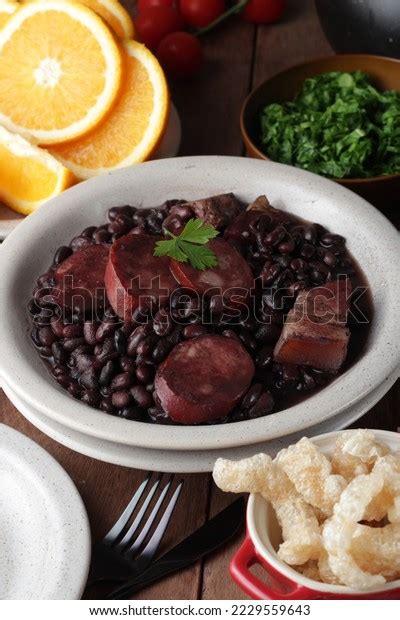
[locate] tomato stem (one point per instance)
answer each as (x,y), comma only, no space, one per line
(236,8)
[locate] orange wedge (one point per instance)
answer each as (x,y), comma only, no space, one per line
(7,8)
(133,128)
(28,175)
(60,71)
(115,15)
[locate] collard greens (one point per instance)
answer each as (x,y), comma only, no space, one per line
(339,126)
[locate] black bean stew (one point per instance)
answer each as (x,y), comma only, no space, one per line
(125,367)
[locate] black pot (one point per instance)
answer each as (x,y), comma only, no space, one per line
(361,26)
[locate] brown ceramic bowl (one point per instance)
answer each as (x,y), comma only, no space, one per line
(385,73)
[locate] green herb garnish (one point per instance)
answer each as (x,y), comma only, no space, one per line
(339,126)
(190,245)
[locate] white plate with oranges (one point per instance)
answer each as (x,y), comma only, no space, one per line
(88,99)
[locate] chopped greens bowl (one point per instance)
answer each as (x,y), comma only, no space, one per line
(338,117)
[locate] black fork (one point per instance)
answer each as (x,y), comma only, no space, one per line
(133,541)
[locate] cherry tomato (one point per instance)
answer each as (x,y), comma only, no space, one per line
(143,5)
(263,11)
(200,13)
(155,23)
(180,55)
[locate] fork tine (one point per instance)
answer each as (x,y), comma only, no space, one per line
(136,544)
(154,542)
(118,527)
(136,522)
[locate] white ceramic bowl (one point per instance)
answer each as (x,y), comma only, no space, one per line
(264,537)
(28,252)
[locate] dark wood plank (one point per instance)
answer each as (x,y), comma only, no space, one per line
(106,490)
(297,38)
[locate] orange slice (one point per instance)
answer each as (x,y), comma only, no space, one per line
(115,15)
(7,8)
(29,175)
(133,128)
(60,71)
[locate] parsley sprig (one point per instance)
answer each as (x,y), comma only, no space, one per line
(191,245)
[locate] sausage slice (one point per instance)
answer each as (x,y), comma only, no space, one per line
(203,379)
(134,274)
(79,280)
(232,272)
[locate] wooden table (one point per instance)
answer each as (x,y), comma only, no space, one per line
(238,57)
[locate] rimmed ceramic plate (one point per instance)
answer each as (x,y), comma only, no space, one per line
(28,250)
(182,462)
(169,147)
(44,529)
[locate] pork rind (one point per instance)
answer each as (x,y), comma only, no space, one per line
(377,549)
(310,472)
(356,452)
(259,474)
(340,519)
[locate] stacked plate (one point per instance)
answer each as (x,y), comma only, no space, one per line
(27,252)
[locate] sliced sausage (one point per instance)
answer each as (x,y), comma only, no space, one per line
(135,275)
(218,211)
(79,280)
(232,276)
(203,379)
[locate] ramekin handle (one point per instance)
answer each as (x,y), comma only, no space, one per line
(277,587)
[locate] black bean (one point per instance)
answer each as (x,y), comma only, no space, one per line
(79,243)
(59,369)
(141,315)
(308,381)
(45,352)
(73,331)
(105,330)
(46,336)
(121,225)
(248,340)
(194,331)
(229,333)
(142,397)
(127,328)
(286,247)
(173,224)
(83,361)
(144,373)
(83,348)
(74,390)
(275,236)
(123,381)
(145,346)
(120,342)
(101,236)
(252,395)
(106,373)
(157,415)
(264,357)
(108,351)
(89,332)
(59,353)
(33,308)
(307,250)
(127,364)
(124,210)
(162,323)
(57,326)
(72,343)
(310,234)
(161,350)
(299,265)
(263,406)
(63,380)
(329,240)
(106,405)
(61,255)
(268,333)
(269,272)
(183,211)
(90,397)
(88,379)
(290,373)
(131,413)
(121,399)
